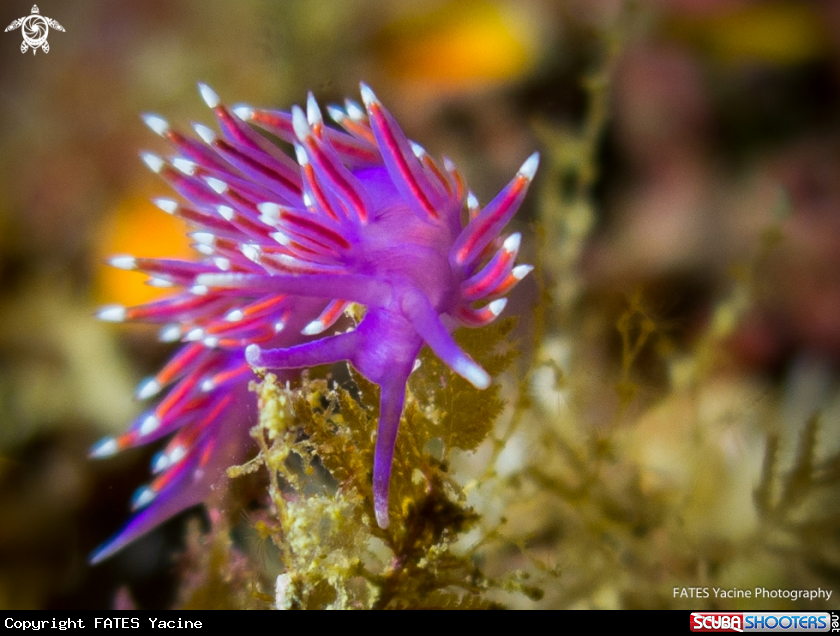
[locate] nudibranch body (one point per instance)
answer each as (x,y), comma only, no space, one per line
(364,215)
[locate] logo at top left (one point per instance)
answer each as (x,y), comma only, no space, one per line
(35,29)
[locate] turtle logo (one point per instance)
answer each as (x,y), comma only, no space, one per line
(35,28)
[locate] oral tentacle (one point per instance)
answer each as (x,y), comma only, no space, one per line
(310,354)
(416,307)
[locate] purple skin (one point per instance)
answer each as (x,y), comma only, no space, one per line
(364,216)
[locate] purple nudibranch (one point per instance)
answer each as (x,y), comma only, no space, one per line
(364,215)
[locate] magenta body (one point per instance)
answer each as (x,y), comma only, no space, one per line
(363,216)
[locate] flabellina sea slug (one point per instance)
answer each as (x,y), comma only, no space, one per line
(364,215)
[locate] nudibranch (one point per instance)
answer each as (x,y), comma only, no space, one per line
(362,215)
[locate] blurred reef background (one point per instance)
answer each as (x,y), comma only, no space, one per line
(670,413)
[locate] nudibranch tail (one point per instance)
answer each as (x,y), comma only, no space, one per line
(390,410)
(362,214)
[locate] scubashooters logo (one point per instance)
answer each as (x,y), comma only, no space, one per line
(797,622)
(35,28)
